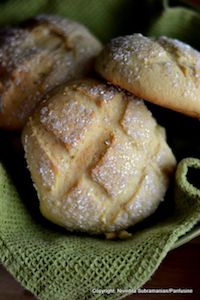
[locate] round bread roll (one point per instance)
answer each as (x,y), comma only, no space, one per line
(97,157)
(161,70)
(36,57)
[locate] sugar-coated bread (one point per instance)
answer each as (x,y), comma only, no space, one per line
(161,70)
(97,157)
(37,56)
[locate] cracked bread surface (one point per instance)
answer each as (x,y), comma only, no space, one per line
(98,159)
(161,70)
(37,56)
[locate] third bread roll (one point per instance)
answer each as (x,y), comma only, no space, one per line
(37,56)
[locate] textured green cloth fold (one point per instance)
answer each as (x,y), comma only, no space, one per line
(109,18)
(57,265)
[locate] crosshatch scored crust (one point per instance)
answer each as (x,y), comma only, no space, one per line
(98,159)
(161,70)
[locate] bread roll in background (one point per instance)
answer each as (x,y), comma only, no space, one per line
(161,70)
(97,157)
(37,56)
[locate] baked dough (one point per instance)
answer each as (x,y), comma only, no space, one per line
(97,157)
(37,56)
(161,70)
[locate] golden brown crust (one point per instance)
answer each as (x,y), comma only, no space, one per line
(161,70)
(98,159)
(35,58)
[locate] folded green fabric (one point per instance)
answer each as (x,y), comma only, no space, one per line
(57,265)
(177,22)
(109,18)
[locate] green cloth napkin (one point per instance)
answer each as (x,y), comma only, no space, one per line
(57,265)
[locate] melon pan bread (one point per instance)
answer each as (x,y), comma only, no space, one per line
(37,56)
(97,157)
(161,70)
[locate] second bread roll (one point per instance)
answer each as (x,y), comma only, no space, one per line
(161,70)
